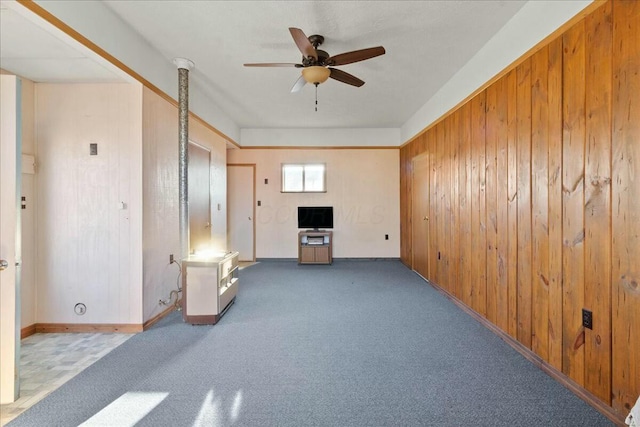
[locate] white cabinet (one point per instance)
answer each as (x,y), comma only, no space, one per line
(209,287)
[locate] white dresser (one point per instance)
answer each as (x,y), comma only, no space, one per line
(209,287)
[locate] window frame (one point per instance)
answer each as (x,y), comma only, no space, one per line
(304,166)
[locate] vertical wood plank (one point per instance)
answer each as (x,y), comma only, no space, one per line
(475,144)
(455,221)
(626,205)
(433,213)
(446,204)
(414,148)
(540,203)
(405,223)
(465,203)
(408,206)
(478,212)
(502,201)
(597,215)
(555,202)
(512,207)
(440,206)
(573,147)
(523,142)
(421,145)
(490,202)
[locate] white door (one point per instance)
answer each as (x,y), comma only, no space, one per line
(10,151)
(241,205)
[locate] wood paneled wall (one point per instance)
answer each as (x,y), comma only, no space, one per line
(535,203)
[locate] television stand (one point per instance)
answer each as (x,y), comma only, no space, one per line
(315,247)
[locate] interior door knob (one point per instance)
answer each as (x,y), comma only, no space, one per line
(3,264)
(207,225)
(426,218)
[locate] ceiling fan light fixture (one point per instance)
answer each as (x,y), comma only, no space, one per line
(315,74)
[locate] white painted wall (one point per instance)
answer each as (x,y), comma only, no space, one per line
(161,227)
(535,21)
(363,186)
(89,248)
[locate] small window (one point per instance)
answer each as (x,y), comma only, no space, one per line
(299,178)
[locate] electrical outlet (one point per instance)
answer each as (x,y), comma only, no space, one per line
(587,318)
(171,259)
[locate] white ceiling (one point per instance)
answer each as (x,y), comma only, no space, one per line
(427,42)
(40,53)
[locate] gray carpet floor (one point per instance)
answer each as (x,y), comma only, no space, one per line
(357,343)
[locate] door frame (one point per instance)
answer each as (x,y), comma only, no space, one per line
(11,158)
(253,203)
(209,215)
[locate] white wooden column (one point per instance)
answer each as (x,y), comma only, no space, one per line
(10,165)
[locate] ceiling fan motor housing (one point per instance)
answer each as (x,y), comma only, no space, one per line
(316,40)
(322,59)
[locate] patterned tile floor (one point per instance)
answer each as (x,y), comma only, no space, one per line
(49,360)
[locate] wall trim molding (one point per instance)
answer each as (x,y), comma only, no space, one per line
(27,331)
(319,147)
(155,319)
(536,360)
(127,328)
(121,328)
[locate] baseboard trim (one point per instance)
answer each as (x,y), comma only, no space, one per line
(48,328)
(334,259)
(155,319)
(547,368)
(27,331)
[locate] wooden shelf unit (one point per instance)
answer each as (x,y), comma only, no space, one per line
(315,247)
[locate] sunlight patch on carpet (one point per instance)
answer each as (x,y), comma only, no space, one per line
(126,410)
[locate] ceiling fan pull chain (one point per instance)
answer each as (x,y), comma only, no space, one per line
(316,97)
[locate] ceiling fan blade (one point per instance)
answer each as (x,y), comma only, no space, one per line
(344,77)
(356,56)
(297,86)
(303,43)
(274,64)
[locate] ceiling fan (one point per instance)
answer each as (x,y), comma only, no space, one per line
(317,64)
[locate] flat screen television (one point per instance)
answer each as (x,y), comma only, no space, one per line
(315,217)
